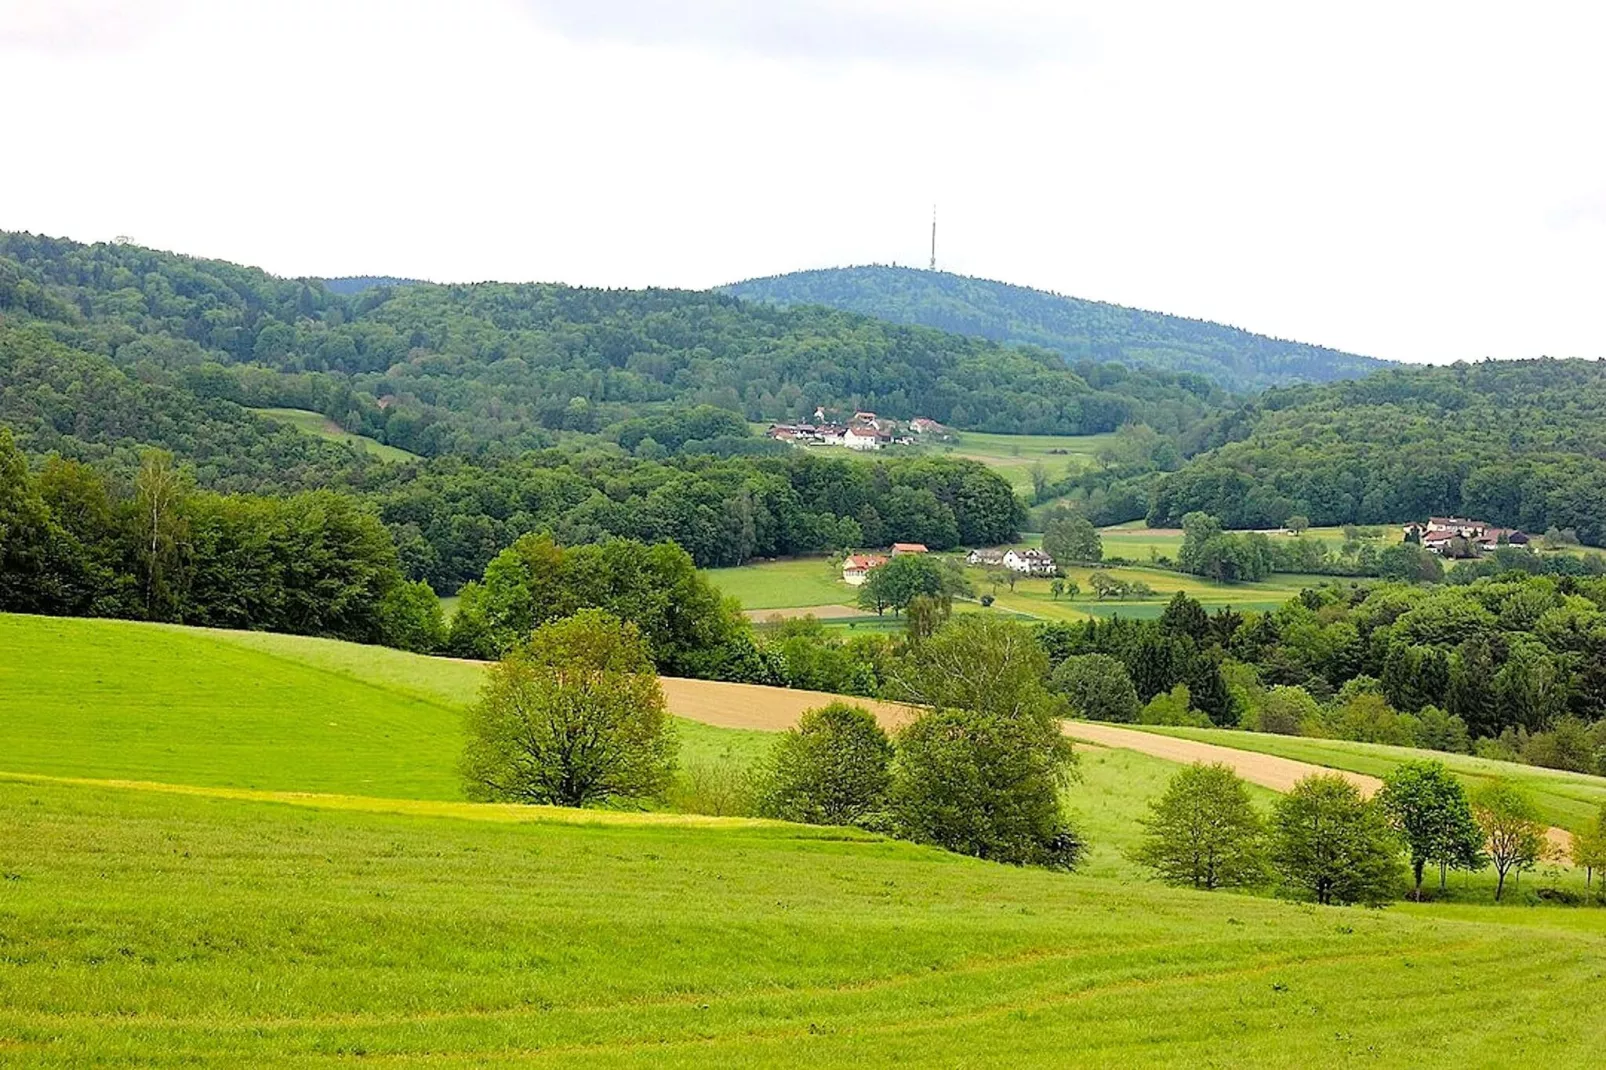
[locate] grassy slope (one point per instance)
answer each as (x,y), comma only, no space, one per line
(316,423)
(1569,800)
(154,928)
(240,709)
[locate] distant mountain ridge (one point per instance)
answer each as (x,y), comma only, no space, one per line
(1236,359)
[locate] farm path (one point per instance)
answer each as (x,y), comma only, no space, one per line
(1267,770)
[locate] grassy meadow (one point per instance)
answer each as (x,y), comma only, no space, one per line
(150,928)
(316,423)
(250,849)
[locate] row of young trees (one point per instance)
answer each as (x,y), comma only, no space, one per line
(1326,840)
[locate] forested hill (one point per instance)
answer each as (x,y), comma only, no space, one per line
(354,284)
(1076,329)
(439,369)
(1517,443)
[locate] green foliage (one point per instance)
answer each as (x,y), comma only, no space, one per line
(316,563)
(1205,832)
(986,784)
(1429,809)
(909,576)
(689,630)
(1097,687)
(573,717)
(980,772)
(1077,330)
(832,769)
(1174,707)
(1072,538)
(1332,845)
(1226,558)
(1512,828)
(1285,710)
(1516,443)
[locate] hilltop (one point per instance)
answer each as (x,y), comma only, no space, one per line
(1076,329)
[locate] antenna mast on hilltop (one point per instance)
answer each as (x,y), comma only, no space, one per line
(933,237)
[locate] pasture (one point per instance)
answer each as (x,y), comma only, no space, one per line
(153,928)
(316,423)
(250,849)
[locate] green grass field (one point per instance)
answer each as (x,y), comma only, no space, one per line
(221,915)
(799,581)
(150,928)
(316,423)
(1569,800)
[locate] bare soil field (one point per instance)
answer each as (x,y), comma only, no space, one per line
(828,612)
(769,709)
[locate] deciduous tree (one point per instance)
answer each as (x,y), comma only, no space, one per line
(573,717)
(1512,827)
(1428,808)
(1204,831)
(1333,845)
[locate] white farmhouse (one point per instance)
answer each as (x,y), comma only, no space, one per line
(856,438)
(1030,562)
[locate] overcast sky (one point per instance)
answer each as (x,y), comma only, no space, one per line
(1415,181)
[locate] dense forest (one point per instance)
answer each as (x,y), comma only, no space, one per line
(469,369)
(1077,330)
(1517,443)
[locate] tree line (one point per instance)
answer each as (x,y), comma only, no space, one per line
(316,563)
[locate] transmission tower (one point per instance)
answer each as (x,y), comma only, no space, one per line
(933,237)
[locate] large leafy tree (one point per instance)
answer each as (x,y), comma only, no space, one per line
(1204,831)
(573,717)
(1428,808)
(832,769)
(1330,843)
(981,771)
(1097,687)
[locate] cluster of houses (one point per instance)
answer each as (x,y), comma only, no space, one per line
(857,567)
(1457,536)
(864,431)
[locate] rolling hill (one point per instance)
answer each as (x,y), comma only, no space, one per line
(1078,330)
(225,848)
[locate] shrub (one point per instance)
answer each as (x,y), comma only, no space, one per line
(719,787)
(832,769)
(1286,711)
(1174,707)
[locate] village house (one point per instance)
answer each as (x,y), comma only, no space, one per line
(1030,562)
(901,548)
(861,438)
(1448,534)
(855,567)
(985,558)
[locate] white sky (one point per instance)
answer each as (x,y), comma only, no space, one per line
(1417,181)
